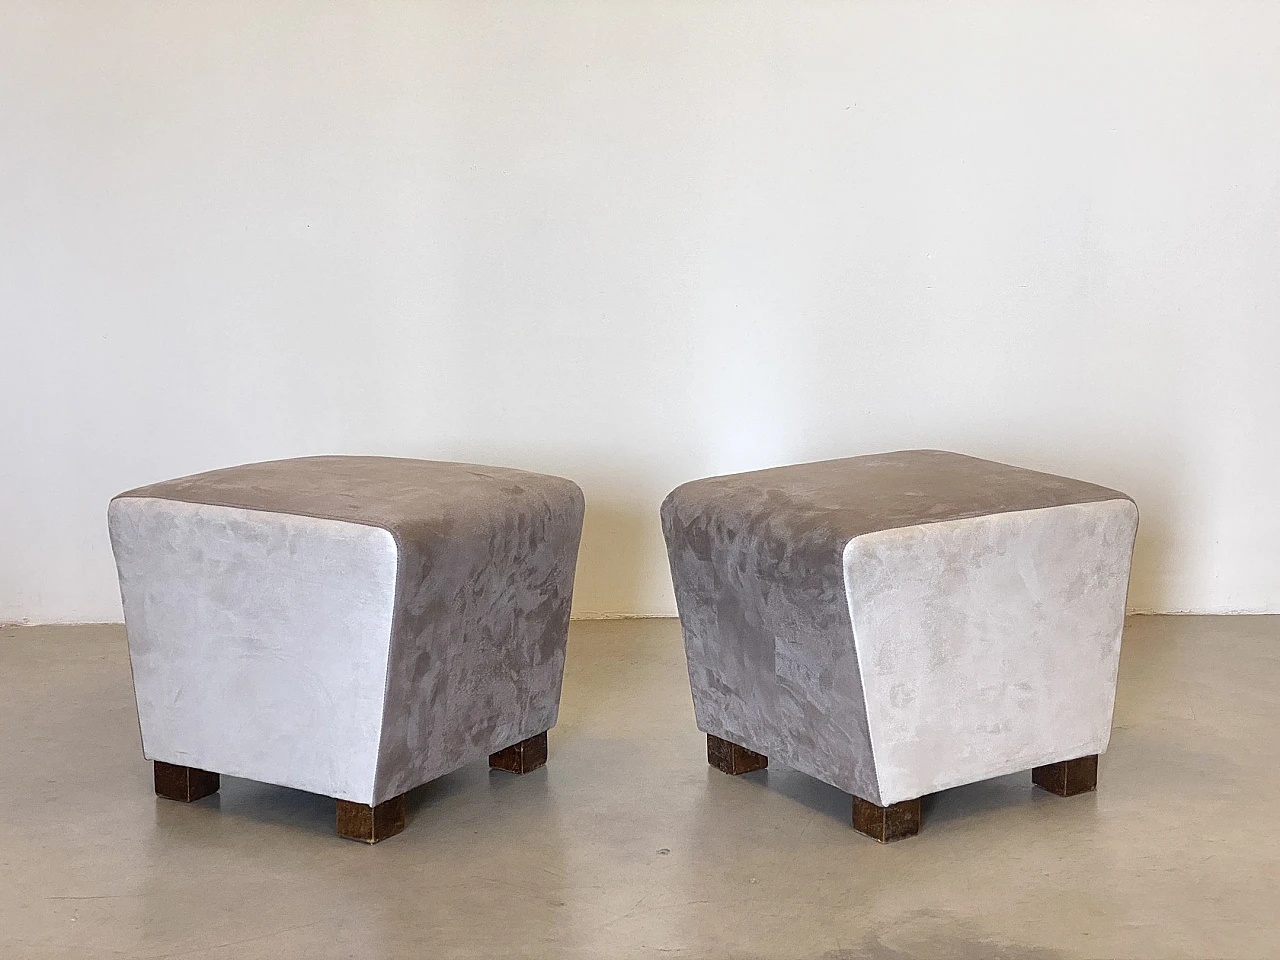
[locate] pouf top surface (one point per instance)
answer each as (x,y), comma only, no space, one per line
(860,495)
(379,491)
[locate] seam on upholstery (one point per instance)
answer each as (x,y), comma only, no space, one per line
(862,675)
(1110,497)
(235,505)
(397,599)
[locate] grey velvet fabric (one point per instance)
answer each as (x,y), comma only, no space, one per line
(768,587)
(484,582)
(259,641)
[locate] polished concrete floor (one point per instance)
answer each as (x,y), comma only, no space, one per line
(628,845)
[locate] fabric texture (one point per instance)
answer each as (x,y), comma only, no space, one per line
(484,564)
(794,588)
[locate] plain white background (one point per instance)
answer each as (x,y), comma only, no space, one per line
(638,242)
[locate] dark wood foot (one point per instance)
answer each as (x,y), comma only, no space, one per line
(1067,778)
(176,782)
(886,824)
(521,757)
(732,759)
(359,821)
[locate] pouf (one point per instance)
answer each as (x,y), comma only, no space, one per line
(898,624)
(348,626)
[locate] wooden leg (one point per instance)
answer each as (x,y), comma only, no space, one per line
(359,821)
(176,782)
(732,759)
(521,757)
(886,824)
(1067,778)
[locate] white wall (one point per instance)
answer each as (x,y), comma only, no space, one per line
(639,242)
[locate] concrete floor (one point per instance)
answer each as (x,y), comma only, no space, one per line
(628,845)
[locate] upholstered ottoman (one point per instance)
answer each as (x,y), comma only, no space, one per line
(895,625)
(349,626)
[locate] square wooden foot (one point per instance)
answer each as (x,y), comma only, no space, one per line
(359,821)
(176,782)
(732,759)
(521,757)
(886,824)
(1067,778)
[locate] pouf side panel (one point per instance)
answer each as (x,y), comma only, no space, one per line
(729,654)
(767,635)
(258,640)
(989,645)
(482,621)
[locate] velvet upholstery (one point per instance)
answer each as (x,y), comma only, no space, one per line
(353,626)
(902,623)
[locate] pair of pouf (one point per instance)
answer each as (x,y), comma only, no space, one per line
(893,625)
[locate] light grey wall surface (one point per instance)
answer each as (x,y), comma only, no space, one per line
(634,243)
